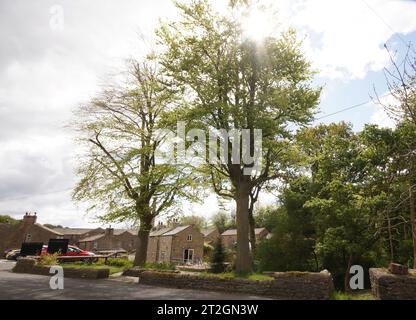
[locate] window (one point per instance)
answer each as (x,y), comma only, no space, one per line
(28,237)
(189,238)
(95,245)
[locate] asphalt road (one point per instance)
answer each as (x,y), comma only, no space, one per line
(33,287)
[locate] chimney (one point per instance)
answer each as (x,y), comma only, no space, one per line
(109,231)
(29,219)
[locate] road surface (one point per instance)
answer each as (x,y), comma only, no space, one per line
(34,287)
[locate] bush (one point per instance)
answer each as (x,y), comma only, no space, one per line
(218,257)
(48,259)
(160,266)
(120,262)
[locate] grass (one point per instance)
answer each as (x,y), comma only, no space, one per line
(361,295)
(234,275)
(115,265)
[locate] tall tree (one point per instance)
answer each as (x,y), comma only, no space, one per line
(401,82)
(119,171)
(231,83)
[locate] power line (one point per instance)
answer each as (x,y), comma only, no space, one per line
(351,107)
(385,23)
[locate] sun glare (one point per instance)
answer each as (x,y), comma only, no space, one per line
(257,24)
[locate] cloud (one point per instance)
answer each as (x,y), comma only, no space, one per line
(345,38)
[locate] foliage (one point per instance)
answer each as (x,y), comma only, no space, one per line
(120,262)
(160,266)
(48,259)
(231,83)
(218,257)
(198,221)
(222,221)
(8,219)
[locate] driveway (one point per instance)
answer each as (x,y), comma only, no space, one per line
(33,287)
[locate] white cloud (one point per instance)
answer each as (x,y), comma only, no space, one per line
(346,37)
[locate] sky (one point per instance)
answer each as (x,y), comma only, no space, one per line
(55,55)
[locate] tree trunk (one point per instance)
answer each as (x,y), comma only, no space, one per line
(347,276)
(143,239)
(252,226)
(243,260)
(413,221)
(390,239)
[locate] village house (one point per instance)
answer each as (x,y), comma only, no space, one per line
(210,235)
(110,240)
(180,244)
(28,230)
(229,237)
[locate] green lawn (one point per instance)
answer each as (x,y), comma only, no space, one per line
(365,295)
(233,275)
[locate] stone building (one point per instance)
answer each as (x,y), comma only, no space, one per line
(210,235)
(110,239)
(181,244)
(229,237)
(26,230)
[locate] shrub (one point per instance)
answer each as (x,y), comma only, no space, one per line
(119,262)
(218,257)
(161,266)
(48,259)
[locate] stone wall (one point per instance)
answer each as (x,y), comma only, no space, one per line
(387,286)
(287,286)
(28,265)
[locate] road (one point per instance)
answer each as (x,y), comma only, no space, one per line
(33,287)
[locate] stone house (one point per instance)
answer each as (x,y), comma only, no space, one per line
(110,239)
(75,234)
(229,237)
(181,244)
(210,235)
(26,230)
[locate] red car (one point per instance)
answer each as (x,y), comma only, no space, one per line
(72,251)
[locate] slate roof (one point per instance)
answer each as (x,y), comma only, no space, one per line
(159,232)
(206,232)
(92,238)
(175,231)
(233,232)
(69,231)
(49,229)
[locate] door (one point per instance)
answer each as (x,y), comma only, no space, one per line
(188,256)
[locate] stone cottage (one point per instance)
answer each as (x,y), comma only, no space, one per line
(110,239)
(210,235)
(229,237)
(26,230)
(181,244)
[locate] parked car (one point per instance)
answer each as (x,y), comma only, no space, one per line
(72,251)
(13,254)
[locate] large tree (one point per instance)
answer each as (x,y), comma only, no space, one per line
(401,82)
(119,171)
(231,83)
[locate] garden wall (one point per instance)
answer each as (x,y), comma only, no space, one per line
(387,286)
(28,265)
(287,286)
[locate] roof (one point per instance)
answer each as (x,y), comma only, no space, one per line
(159,232)
(48,229)
(77,231)
(117,232)
(207,232)
(176,230)
(233,232)
(92,238)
